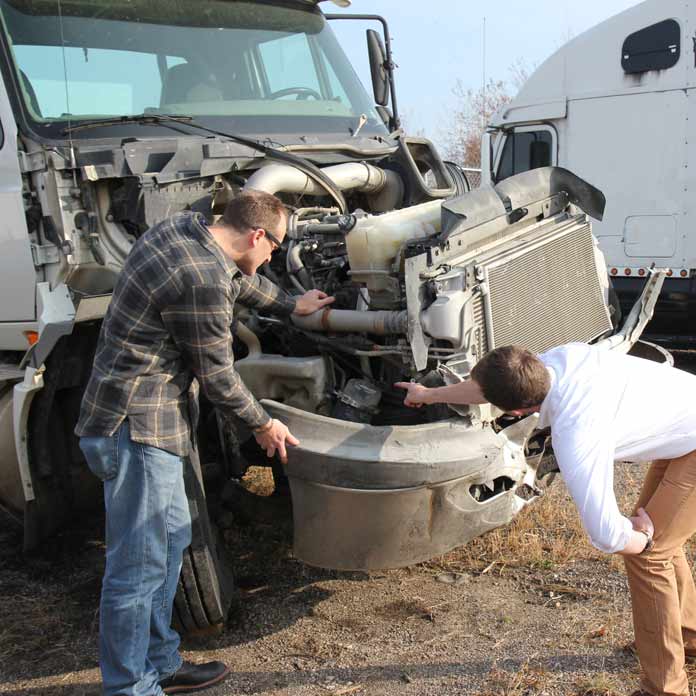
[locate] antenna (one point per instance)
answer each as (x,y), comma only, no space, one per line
(67,94)
(483,85)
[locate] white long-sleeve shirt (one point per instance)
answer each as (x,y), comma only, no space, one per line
(605,407)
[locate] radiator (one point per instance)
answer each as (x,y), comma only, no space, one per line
(544,291)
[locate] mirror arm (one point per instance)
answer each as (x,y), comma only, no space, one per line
(389,64)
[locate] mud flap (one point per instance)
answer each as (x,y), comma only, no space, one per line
(641,313)
(206,587)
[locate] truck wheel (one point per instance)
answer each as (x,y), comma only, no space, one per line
(206,587)
(63,485)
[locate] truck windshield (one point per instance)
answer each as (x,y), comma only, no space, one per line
(248,67)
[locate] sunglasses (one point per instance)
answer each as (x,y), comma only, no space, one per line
(273,239)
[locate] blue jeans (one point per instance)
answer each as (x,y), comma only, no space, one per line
(148,526)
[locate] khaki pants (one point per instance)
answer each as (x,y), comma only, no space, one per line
(662,587)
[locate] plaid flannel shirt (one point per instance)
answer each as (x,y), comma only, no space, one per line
(167,328)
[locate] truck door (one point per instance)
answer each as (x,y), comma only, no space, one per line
(689,179)
(633,148)
(17,273)
(525,148)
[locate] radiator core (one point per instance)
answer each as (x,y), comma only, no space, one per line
(545,292)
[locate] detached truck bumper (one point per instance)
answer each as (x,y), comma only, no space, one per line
(367,497)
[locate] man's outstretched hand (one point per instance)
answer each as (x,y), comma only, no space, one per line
(416,394)
(276,437)
(312,301)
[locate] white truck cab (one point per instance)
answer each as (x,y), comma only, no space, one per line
(617,106)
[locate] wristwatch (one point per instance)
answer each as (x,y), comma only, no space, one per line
(649,543)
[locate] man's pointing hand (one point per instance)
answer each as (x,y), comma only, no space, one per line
(416,394)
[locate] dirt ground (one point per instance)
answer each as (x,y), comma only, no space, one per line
(526,610)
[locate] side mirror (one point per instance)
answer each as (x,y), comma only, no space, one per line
(380,82)
(486,164)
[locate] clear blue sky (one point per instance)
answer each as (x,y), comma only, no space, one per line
(437,41)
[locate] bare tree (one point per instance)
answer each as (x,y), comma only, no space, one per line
(519,73)
(408,117)
(473,110)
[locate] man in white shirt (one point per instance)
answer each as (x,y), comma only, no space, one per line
(603,407)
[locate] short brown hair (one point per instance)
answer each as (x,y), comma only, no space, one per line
(512,378)
(254,209)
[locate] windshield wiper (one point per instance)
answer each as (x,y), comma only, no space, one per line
(143,119)
(309,168)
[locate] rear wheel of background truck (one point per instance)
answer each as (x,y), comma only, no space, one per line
(65,489)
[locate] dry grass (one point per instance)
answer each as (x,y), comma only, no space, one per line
(527,681)
(600,684)
(259,480)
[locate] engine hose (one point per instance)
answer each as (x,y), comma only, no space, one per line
(297,272)
(340,345)
(380,323)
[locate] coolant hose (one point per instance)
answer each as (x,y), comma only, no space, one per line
(348,321)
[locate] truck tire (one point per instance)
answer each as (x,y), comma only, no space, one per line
(65,488)
(206,588)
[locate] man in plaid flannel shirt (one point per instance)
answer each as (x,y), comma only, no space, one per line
(167,331)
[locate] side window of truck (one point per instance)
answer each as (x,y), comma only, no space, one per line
(524,151)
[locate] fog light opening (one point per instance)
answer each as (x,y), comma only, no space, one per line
(483,492)
(527,492)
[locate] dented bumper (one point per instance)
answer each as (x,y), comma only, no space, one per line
(368,497)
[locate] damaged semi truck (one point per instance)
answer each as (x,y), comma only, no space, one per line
(116,114)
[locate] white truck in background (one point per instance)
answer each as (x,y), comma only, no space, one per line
(617,106)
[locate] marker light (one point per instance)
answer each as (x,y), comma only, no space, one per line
(32,337)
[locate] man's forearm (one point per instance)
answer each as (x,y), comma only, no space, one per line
(467,392)
(260,293)
(635,545)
